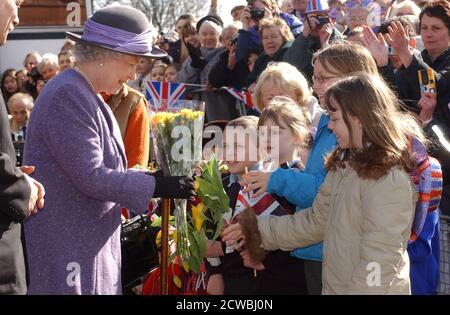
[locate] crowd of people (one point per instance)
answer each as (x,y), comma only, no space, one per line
(360,93)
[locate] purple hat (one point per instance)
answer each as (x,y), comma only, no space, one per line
(122,29)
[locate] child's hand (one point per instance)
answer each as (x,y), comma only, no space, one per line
(427,104)
(249,263)
(256,181)
(232,235)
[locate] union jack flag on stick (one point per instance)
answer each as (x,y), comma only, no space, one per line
(162,95)
(243,96)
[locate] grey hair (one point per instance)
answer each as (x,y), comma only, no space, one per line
(48,60)
(228,28)
(38,57)
(29,102)
(84,52)
(217,28)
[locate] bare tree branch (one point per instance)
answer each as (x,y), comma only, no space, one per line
(162,13)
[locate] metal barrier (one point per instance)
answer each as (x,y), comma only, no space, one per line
(444,266)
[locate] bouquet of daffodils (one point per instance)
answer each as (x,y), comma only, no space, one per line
(177,137)
(213,199)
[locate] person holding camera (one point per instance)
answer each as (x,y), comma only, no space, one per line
(228,71)
(317,33)
(256,10)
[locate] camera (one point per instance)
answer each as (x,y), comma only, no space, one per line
(391,51)
(234,41)
(426,81)
(323,17)
(256,14)
(35,75)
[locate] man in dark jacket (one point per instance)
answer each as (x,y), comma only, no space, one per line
(314,37)
(19,193)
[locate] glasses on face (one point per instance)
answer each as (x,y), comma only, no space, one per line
(322,79)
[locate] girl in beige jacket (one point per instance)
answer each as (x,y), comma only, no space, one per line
(364,209)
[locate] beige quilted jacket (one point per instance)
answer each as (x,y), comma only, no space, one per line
(365,226)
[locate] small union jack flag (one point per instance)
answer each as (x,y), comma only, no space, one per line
(263,205)
(243,96)
(164,94)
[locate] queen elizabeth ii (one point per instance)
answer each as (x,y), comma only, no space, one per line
(73,245)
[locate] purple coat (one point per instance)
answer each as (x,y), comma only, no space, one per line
(73,243)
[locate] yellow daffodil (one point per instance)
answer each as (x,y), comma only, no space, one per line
(196,186)
(177,281)
(186,266)
(223,168)
(197,216)
(158,239)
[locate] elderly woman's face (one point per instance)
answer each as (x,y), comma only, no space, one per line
(357,17)
(116,72)
(49,71)
(66,61)
(272,40)
(209,37)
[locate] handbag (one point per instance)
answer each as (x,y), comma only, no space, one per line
(139,250)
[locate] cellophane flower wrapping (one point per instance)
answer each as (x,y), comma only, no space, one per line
(177,137)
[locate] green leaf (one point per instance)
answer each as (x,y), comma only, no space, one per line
(194,264)
(218,229)
(158,221)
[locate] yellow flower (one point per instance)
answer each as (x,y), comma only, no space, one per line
(158,239)
(177,281)
(196,186)
(197,216)
(186,266)
(223,168)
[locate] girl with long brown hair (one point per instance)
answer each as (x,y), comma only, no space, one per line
(365,208)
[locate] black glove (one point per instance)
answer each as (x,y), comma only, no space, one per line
(177,187)
(198,61)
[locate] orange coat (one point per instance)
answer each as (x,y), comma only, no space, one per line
(130,109)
